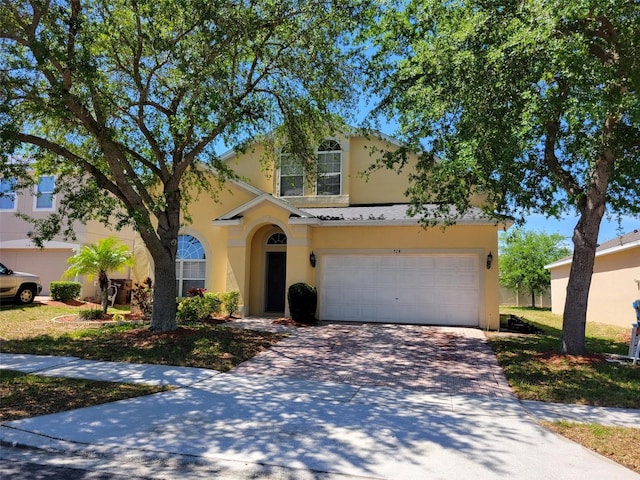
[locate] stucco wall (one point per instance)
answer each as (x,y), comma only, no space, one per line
(613,288)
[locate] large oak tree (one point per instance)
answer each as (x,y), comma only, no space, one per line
(125,100)
(535,104)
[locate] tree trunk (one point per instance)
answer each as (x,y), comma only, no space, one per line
(163,247)
(103,282)
(533,299)
(585,242)
(163,317)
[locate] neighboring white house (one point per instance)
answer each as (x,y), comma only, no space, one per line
(615,283)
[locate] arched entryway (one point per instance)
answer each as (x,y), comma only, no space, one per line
(275,249)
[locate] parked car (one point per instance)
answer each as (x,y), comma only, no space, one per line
(19,286)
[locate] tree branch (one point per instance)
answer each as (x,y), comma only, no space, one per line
(552,128)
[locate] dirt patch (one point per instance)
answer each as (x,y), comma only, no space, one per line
(142,337)
(71,303)
(553,358)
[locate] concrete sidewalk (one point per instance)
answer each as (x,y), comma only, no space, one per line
(247,425)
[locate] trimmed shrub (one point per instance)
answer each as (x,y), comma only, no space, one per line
(199,307)
(90,314)
(303,299)
(64,291)
(231,301)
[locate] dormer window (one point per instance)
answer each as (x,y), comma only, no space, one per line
(329,173)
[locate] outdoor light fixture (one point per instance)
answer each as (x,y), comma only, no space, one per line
(312,259)
(489,260)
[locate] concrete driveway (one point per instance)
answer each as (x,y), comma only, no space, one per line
(335,401)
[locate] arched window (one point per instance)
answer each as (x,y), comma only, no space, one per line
(329,181)
(277,239)
(191,264)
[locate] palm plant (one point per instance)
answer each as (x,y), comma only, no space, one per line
(106,255)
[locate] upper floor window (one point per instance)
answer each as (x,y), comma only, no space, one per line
(291,176)
(7,194)
(329,181)
(44,193)
(329,172)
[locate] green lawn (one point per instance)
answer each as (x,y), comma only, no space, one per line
(537,372)
(30,329)
(25,395)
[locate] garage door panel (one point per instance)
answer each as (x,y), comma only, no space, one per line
(441,289)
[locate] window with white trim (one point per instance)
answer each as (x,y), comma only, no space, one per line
(8,194)
(291,176)
(191,264)
(277,238)
(44,197)
(329,181)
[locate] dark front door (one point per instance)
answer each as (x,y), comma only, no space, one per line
(276,273)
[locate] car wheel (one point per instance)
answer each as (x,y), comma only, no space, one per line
(25,295)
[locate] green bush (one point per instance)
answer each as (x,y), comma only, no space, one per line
(64,291)
(231,301)
(199,307)
(90,314)
(303,299)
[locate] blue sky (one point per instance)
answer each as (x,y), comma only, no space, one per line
(608,228)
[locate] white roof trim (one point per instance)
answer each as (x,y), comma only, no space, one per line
(26,243)
(246,186)
(228,223)
(264,197)
(608,251)
(377,223)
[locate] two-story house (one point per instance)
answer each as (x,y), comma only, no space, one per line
(349,237)
(18,252)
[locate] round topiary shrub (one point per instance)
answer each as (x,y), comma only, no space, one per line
(303,299)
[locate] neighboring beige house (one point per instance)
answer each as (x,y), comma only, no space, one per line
(615,283)
(19,253)
(350,238)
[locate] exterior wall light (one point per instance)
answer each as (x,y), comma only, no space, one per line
(312,259)
(489,260)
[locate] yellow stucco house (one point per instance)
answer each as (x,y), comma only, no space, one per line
(350,238)
(615,283)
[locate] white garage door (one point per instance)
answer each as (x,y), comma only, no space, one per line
(437,289)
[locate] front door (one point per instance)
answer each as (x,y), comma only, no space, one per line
(276,274)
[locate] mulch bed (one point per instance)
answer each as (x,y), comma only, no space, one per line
(137,317)
(108,317)
(554,358)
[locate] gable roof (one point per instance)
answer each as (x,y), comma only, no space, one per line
(348,131)
(262,198)
(617,244)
